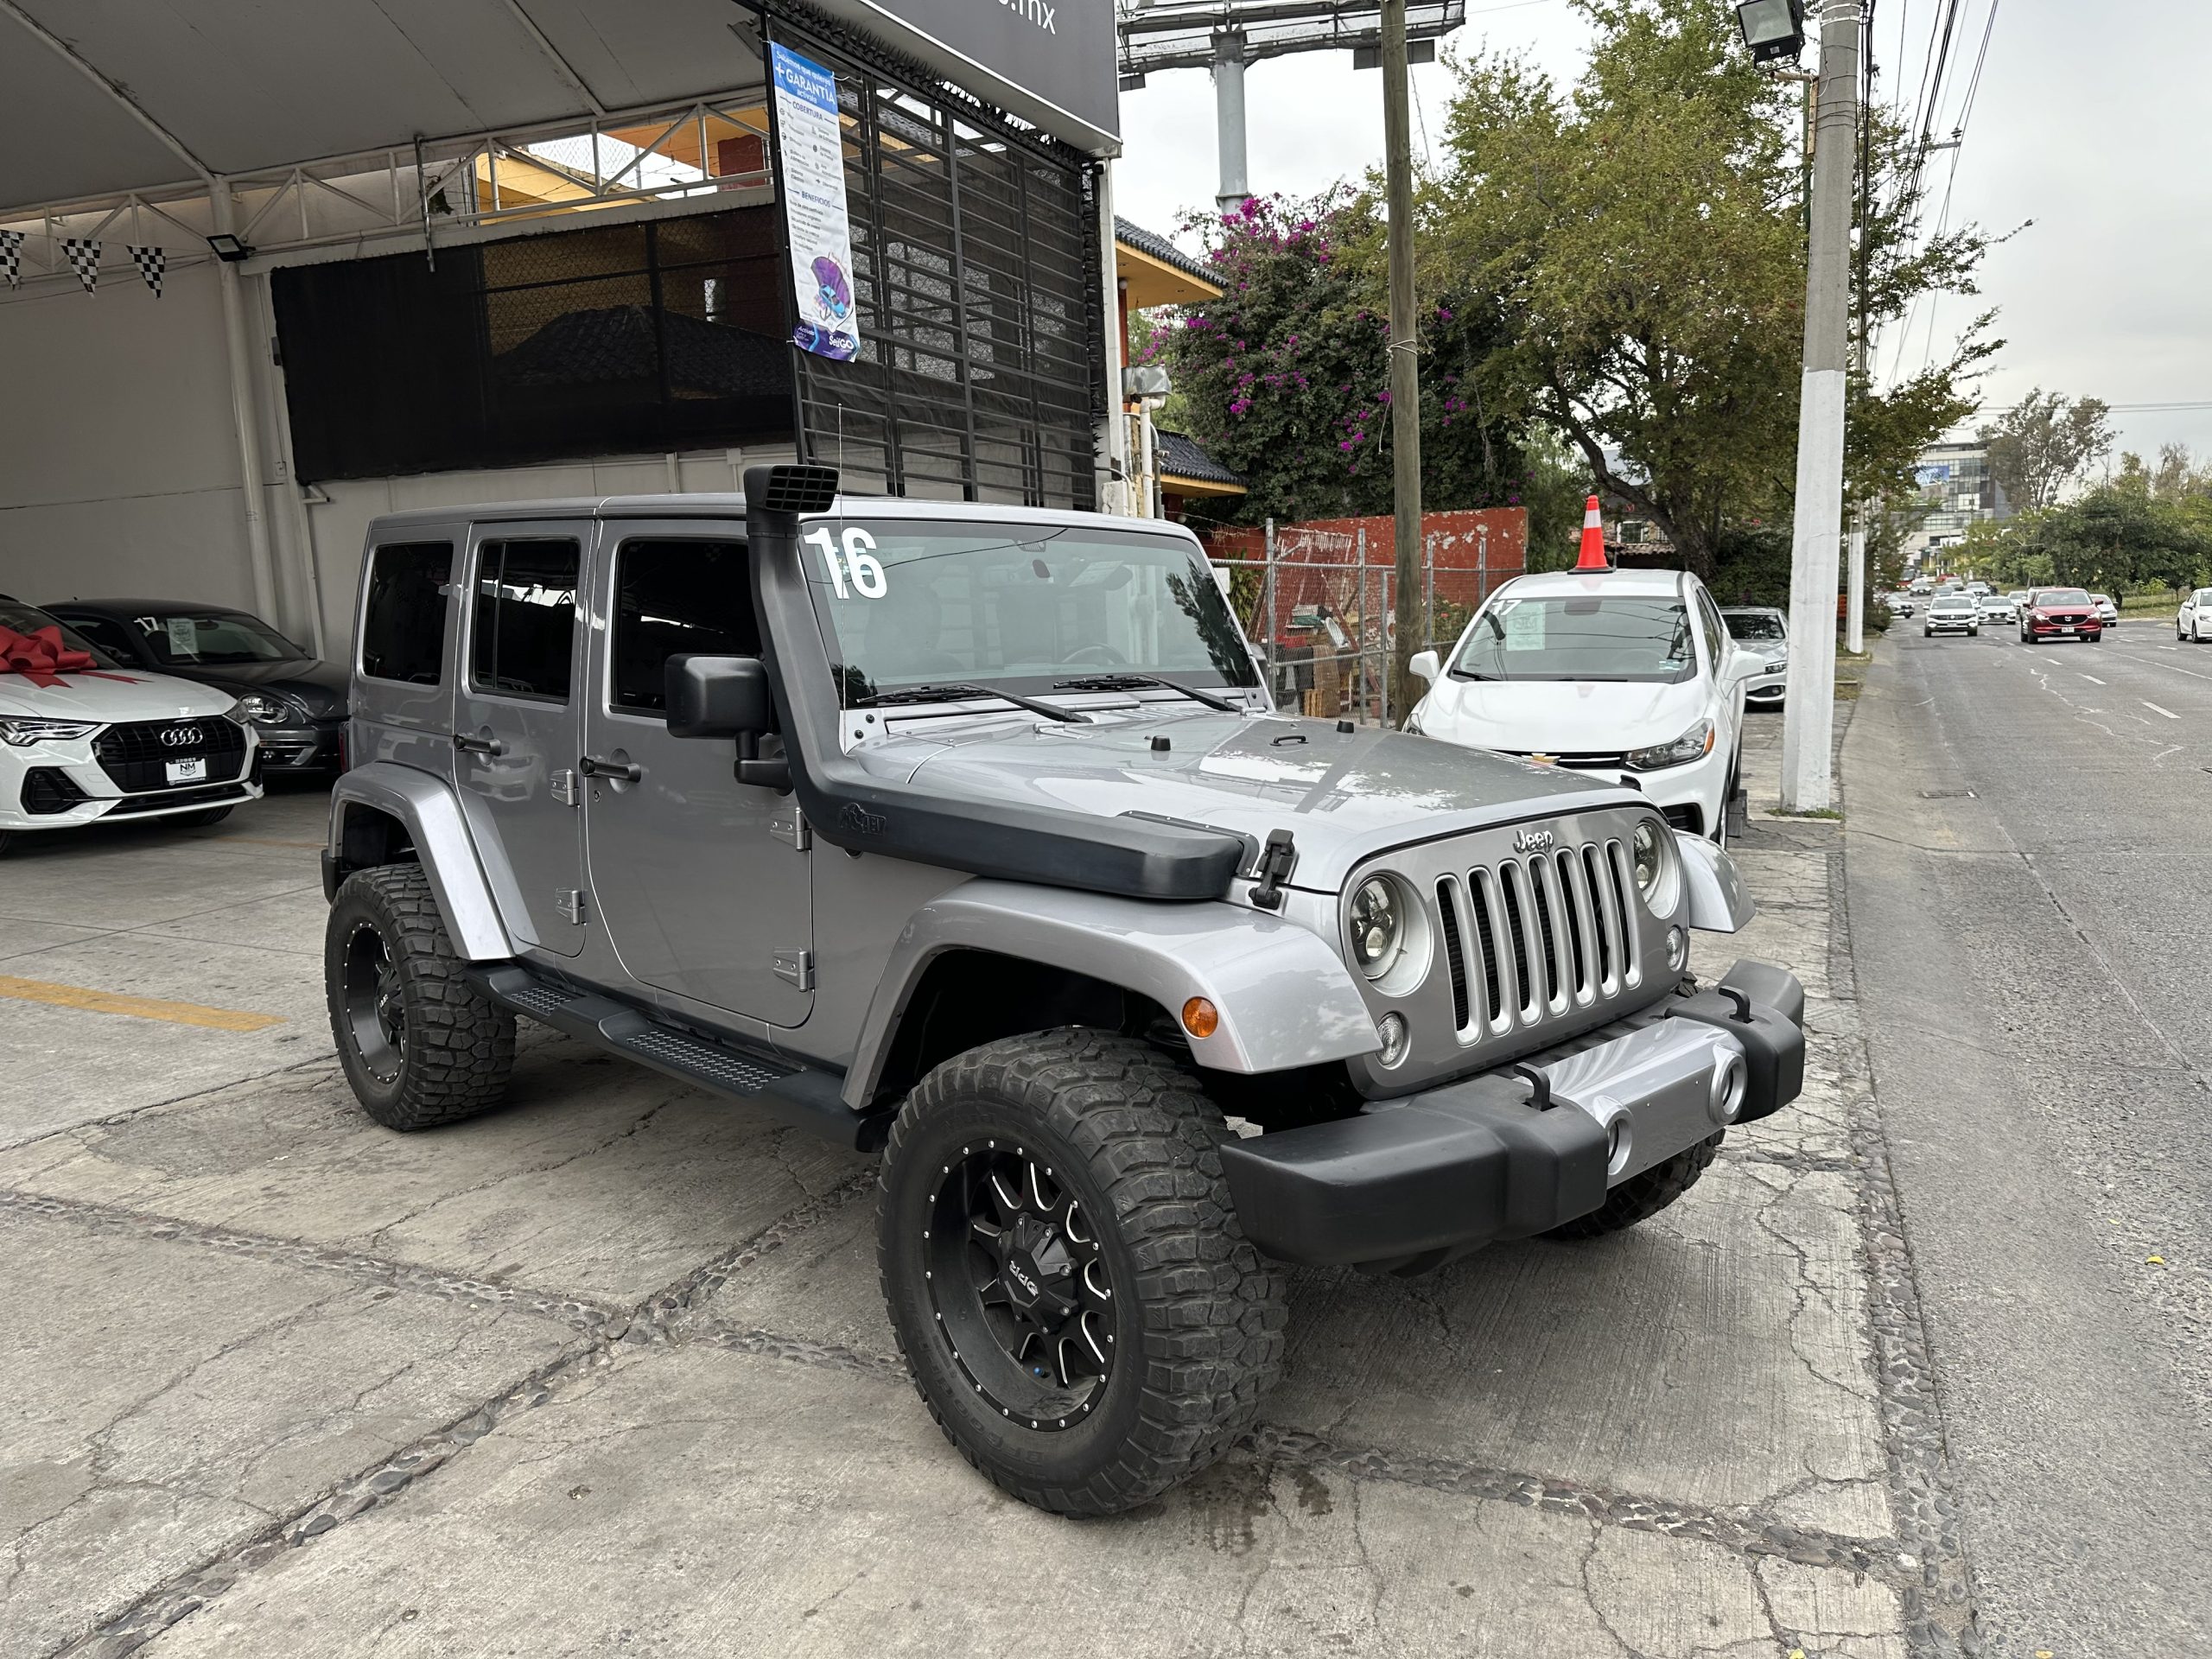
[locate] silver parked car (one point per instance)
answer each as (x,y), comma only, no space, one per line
(1763,630)
(967,835)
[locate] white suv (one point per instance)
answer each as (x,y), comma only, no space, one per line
(1629,674)
(81,739)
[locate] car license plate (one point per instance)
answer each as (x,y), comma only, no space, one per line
(187,771)
(2067,632)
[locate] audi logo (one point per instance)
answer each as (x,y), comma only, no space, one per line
(180,737)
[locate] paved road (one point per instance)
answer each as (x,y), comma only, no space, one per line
(2030,854)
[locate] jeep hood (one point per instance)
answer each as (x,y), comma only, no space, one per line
(1344,796)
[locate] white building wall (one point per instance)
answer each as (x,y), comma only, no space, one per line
(119,466)
(118,460)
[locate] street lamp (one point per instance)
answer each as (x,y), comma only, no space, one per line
(1772,28)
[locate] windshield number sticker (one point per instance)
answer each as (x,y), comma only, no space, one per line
(1524,626)
(857,562)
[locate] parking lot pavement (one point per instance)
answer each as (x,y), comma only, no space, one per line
(609,1367)
(224,922)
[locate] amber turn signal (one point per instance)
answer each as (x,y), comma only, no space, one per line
(1200,1017)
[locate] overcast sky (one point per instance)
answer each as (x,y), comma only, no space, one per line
(2089,120)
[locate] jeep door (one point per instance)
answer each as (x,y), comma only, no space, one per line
(515,724)
(701,882)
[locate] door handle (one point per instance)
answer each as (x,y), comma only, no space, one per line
(469,745)
(591,766)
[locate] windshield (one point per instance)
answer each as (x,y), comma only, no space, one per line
(1026,608)
(1754,624)
(29,619)
(2061,596)
(205,638)
(1574,638)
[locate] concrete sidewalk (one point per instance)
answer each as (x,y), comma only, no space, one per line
(608,1368)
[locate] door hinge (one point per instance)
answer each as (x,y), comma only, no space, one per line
(570,903)
(796,967)
(563,784)
(793,830)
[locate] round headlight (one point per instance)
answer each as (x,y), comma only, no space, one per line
(263,708)
(1377,927)
(1645,845)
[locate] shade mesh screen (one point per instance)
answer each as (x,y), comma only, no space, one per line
(618,338)
(977,285)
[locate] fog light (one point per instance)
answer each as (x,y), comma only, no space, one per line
(1726,1096)
(1200,1017)
(1678,949)
(1391,1028)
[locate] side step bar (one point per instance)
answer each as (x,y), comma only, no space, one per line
(807,1096)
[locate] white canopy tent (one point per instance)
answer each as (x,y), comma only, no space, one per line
(347,128)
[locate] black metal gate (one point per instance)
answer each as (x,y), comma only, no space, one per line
(978,290)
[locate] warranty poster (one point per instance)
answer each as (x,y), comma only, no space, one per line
(810,174)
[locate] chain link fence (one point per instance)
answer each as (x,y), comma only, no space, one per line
(1316,602)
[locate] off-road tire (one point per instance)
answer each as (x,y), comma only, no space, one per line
(1198,1312)
(458,1048)
(1642,1197)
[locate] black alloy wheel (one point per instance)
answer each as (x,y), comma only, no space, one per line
(1065,1273)
(1019,1280)
(418,1042)
(374,1011)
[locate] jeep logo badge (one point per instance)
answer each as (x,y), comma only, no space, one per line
(1532,840)
(856,819)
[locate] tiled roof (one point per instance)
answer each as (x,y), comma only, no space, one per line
(1181,457)
(1151,243)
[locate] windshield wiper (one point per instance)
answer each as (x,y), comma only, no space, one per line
(1132,681)
(950,693)
(1474,674)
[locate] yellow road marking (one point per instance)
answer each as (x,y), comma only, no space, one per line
(138,1007)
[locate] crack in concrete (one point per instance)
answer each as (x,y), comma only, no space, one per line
(592,1317)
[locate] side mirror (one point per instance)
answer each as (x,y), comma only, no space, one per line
(719,697)
(1424,666)
(1742,665)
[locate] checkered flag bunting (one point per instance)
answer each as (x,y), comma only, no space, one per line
(84,258)
(151,262)
(11,256)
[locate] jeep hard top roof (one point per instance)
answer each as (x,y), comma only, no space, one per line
(730,504)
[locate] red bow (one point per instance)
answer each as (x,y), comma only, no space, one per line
(41,658)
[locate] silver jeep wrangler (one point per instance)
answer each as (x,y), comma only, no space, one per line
(968,835)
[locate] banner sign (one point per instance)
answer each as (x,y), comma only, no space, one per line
(810,180)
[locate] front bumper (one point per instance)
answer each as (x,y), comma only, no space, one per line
(309,747)
(1409,1184)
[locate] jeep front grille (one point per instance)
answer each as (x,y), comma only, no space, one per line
(1542,936)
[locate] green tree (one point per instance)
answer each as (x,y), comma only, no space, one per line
(1640,237)
(2044,444)
(1284,378)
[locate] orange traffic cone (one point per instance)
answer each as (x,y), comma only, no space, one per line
(1593,540)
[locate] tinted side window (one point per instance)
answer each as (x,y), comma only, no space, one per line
(524,630)
(673,596)
(403,624)
(1716,631)
(111,636)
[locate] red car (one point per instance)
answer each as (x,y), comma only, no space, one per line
(2059,613)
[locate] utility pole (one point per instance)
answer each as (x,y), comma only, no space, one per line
(1228,117)
(1405,373)
(1808,721)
